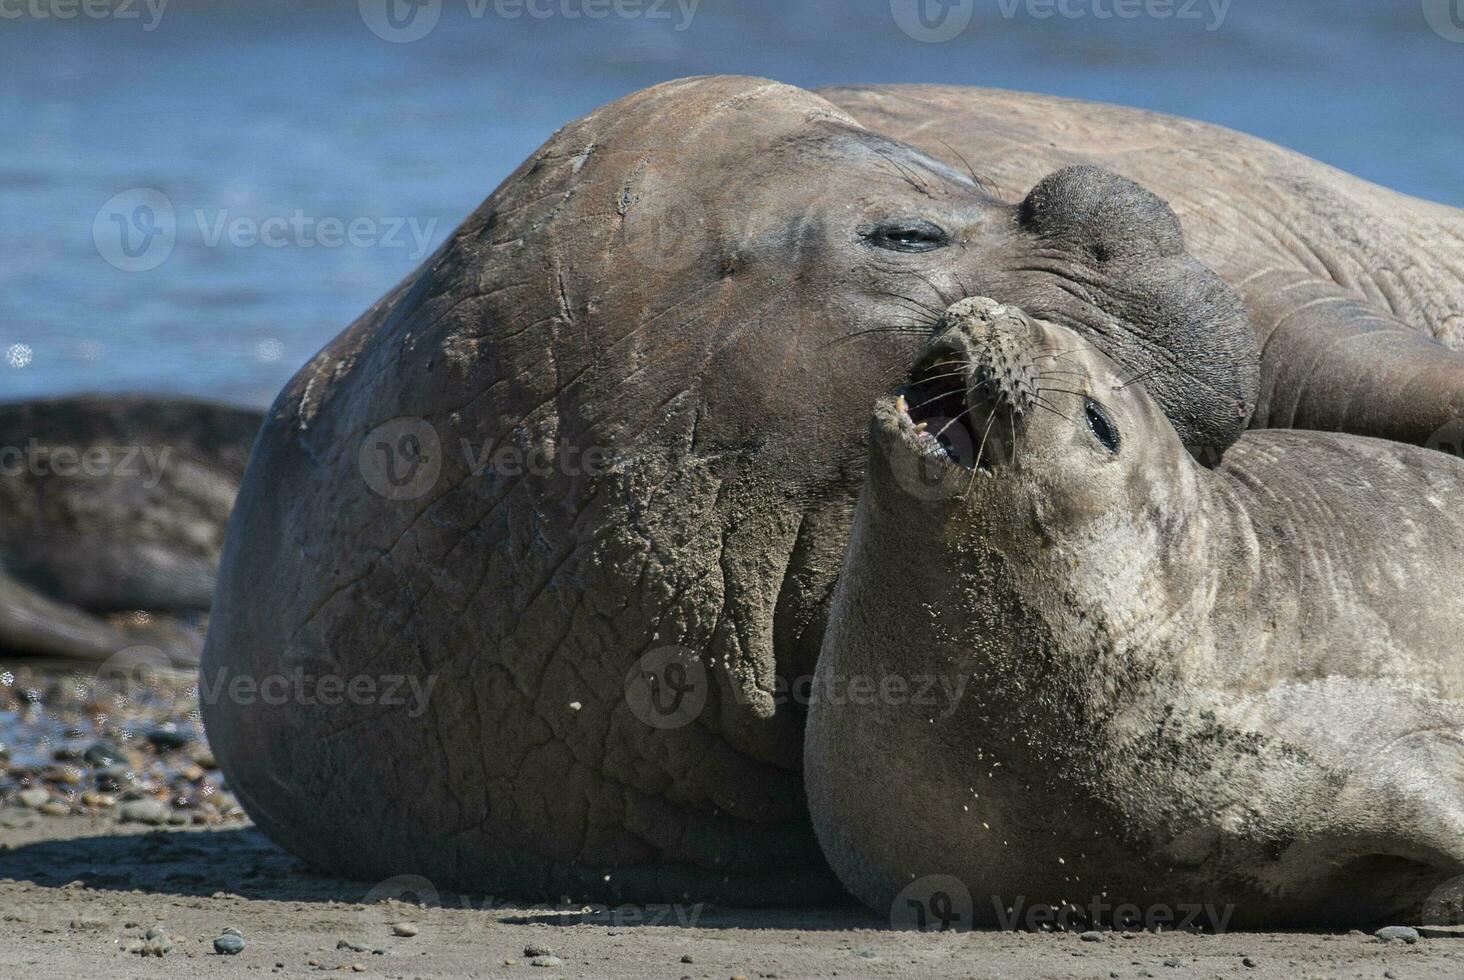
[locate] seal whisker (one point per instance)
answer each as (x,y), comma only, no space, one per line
(1041,403)
(982,448)
(939,397)
(1012,418)
(905,172)
(897,329)
(967,411)
(933,311)
(970,170)
(939,293)
(1137,378)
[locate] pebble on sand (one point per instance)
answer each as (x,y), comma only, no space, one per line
(35,797)
(537,949)
(1092,936)
(228,944)
(155,942)
(546,961)
(404,929)
(1406,934)
(144,811)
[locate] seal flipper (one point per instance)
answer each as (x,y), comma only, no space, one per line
(33,624)
(1333,362)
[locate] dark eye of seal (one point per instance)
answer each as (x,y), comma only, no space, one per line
(1101,424)
(908,235)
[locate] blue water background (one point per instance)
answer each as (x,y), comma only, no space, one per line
(258,109)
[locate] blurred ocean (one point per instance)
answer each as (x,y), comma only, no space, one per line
(351,151)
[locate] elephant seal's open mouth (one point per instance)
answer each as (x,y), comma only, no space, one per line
(965,400)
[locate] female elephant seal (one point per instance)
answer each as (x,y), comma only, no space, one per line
(1179,686)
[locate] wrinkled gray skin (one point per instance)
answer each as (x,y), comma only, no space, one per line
(112,504)
(706,284)
(1178,685)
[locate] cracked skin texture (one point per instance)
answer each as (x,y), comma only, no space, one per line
(686,281)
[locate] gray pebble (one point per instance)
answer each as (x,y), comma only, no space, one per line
(228,944)
(35,797)
(143,811)
(1406,934)
(1249,961)
(546,961)
(167,737)
(1092,936)
(100,754)
(156,942)
(405,929)
(537,949)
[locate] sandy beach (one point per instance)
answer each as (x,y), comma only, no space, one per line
(78,894)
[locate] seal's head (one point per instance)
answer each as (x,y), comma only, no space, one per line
(1022,418)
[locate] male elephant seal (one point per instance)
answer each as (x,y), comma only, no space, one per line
(1356,291)
(113,504)
(601,452)
(1176,686)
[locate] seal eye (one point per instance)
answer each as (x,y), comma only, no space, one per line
(1101,424)
(908,235)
